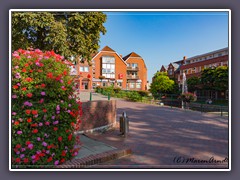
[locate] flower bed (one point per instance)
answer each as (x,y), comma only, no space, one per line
(45,111)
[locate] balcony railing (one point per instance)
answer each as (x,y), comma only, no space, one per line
(132,77)
(129,68)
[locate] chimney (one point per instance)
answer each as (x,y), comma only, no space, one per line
(184,59)
(120,55)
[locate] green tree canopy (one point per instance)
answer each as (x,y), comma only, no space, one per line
(67,33)
(161,84)
(193,83)
(215,78)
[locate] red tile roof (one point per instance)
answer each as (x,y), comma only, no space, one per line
(132,54)
(106,48)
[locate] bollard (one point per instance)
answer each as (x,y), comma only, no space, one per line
(221,110)
(108,96)
(124,124)
(90,96)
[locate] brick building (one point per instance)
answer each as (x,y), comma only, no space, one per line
(193,66)
(109,68)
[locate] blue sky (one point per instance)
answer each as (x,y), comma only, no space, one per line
(164,37)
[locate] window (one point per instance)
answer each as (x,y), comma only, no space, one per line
(170,71)
(84,68)
(220,54)
(81,69)
(108,66)
(131,84)
(119,84)
(138,85)
(134,65)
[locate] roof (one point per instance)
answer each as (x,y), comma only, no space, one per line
(106,48)
(212,52)
(178,62)
(175,65)
(132,54)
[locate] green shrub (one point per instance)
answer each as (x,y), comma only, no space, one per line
(134,96)
(116,89)
(45,111)
(188,97)
(143,93)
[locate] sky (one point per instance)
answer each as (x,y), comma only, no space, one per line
(164,37)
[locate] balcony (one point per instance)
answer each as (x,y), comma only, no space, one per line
(129,68)
(132,77)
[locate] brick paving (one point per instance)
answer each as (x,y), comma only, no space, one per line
(164,137)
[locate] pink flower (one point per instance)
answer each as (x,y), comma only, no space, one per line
(55,122)
(19,132)
(43,93)
(40,124)
(33,157)
(53,117)
(14,113)
(58,108)
(47,123)
(30,146)
(56,162)
(38,139)
(17,75)
(44,144)
(22,156)
(41,101)
(14,96)
(27,103)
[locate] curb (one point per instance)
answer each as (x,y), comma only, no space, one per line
(95,159)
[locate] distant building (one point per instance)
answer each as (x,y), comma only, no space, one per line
(193,66)
(109,68)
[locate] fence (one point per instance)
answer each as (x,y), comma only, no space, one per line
(201,105)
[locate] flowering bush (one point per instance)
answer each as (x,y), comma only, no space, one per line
(45,110)
(188,97)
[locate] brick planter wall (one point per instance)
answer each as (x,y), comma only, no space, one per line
(97,114)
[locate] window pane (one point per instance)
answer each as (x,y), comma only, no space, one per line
(81,69)
(104,65)
(86,69)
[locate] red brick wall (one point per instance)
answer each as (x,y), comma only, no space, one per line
(206,62)
(120,66)
(85,75)
(97,114)
(142,72)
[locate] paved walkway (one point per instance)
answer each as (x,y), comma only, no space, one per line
(161,137)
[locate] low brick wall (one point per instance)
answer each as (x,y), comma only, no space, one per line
(97,115)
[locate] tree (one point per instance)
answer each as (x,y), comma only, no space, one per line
(207,78)
(193,83)
(161,84)
(215,78)
(67,33)
(221,78)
